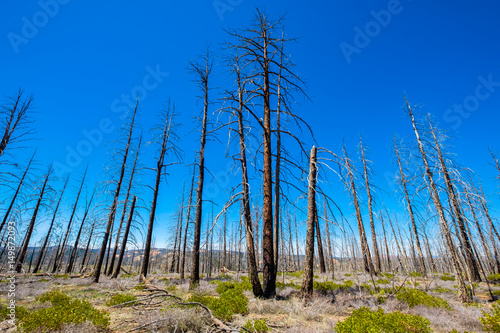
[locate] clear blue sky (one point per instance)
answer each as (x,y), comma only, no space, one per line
(82,58)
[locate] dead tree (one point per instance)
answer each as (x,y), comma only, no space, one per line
(307,281)
(60,253)
(184,245)
(462,290)
(378,264)
(116,195)
(404,184)
(322,266)
(31,226)
(72,257)
(13,200)
(49,232)
(15,120)
(124,211)
(470,258)
(168,136)
(330,252)
(125,239)
(202,71)
(367,260)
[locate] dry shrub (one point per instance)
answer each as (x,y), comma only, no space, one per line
(176,320)
(460,318)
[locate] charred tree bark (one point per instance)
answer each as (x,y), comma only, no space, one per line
(112,213)
(307,281)
(322,266)
(122,219)
(31,226)
(183,263)
(47,237)
(203,74)
(72,257)
(60,253)
(11,205)
(125,239)
(160,165)
(330,253)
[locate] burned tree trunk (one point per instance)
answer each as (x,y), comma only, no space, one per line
(125,239)
(72,257)
(112,213)
(47,237)
(203,74)
(31,226)
(183,263)
(307,281)
(60,253)
(130,183)
(160,165)
(322,266)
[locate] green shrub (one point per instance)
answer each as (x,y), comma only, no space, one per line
(447,277)
(282,285)
(327,286)
(64,310)
(364,320)
(347,274)
(387,275)
(415,274)
(120,299)
(227,285)
(20,312)
(296,274)
(231,301)
(491,320)
(383,281)
(441,290)
(256,326)
(493,277)
(418,297)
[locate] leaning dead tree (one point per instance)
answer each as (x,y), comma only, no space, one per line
(15,120)
(378,264)
(125,238)
(116,195)
(166,146)
(31,226)
(202,71)
(454,256)
(351,185)
(404,184)
(307,280)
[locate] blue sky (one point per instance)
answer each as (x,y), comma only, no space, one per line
(82,59)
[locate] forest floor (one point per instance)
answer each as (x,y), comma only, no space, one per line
(286,313)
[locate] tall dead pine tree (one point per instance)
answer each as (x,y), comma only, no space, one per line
(202,70)
(114,204)
(307,281)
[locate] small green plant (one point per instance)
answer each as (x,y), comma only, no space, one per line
(347,274)
(164,279)
(419,297)
(282,285)
(365,320)
(442,290)
(140,286)
(447,277)
(20,312)
(230,301)
(491,320)
(387,275)
(256,326)
(327,286)
(64,310)
(415,274)
(120,299)
(383,281)
(494,277)
(296,274)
